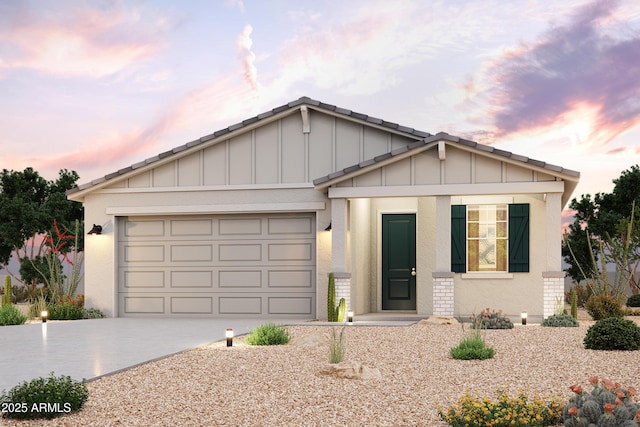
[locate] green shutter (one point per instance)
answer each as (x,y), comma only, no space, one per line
(519,238)
(458,238)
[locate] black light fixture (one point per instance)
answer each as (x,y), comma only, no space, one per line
(97,229)
(328,227)
(523,318)
(350,317)
(44,314)
(229,336)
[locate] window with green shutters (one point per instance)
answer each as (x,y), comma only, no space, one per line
(490,238)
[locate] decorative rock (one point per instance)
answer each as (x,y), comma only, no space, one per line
(439,320)
(352,370)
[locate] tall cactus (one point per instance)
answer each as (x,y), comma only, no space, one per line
(341,310)
(7,297)
(331,299)
(574,303)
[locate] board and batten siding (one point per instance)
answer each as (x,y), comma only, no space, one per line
(275,153)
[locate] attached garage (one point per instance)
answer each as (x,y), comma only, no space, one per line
(217,265)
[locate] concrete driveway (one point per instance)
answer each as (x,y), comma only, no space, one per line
(85,349)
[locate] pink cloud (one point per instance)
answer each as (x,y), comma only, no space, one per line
(243,46)
(584,68)
(87,42)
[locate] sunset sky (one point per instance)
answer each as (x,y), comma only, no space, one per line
(96,86)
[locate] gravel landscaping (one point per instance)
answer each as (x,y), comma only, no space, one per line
(283,385)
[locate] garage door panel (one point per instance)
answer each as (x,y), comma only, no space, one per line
(288,226)
(191,227)
(290,251)
(191,279)
(240,252)
(191,253)
(290,305)
(240,305)
(192,305)
(143,279)
(143,253)
(240,227)
(291,278)
(240,278)
(144,305)
(144,228)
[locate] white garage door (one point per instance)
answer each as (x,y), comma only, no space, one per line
(217,266)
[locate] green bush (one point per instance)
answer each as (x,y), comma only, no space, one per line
(473,411)
(608,404)
(633,301)
(491,319)
(560,320)
(603,306)
(92,313)
(10,315)
(268,334)
(44,398)
(613,333)
(65,312)
(472,347)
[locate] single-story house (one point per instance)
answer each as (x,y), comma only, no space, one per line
(250,220)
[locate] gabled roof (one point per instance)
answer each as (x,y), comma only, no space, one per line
(252,122)
(346,173)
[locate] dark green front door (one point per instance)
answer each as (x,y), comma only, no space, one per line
(398,262)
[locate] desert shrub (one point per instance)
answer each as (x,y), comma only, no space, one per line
(613,333)
(11,315)
(268,334)
(491,319)
(472,347)
(608,404)
(603,306)
(560,320)
(44,398)
(583,293)
(337,346)
(92,313)
(65,311)
(473,411)
(633,301)
(631,312)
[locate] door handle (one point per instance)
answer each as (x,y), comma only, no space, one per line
(413,272)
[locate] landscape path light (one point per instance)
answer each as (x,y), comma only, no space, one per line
(229,335)
(349,317)
(43,315)
(523,317)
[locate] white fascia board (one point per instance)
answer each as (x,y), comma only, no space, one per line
(448,189)
(215,209)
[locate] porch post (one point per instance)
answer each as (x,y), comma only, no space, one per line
(553,276)
(443,278)
(339,251)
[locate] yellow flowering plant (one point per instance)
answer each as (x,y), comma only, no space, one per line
(519,411)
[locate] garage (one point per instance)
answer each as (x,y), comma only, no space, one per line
(217,266)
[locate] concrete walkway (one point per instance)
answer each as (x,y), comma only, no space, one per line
(86,349)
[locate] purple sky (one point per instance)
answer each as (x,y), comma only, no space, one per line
(95,86)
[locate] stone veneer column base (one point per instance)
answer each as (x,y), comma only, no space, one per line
(343,288)
(553,283)
(443,294)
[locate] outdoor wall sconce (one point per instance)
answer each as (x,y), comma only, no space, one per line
(349,317)
(229,335)
(97,229)
(43,315)
(328,227)
(523,317)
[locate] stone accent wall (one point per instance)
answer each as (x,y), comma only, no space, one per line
(343,288)
(443,298)
(553,282)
